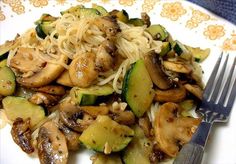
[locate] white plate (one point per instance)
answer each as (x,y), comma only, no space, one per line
(186,22)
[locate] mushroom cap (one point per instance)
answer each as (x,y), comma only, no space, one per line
(172,129)
(52,146)
(49,73)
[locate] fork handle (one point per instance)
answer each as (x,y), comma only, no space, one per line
(191,153)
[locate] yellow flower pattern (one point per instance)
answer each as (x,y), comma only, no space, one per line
(2,16)
(170,10)
(83,1)
(214,32)
(15,5)
(148,5)
(126,2)
(39,3)
(61,2)
(173,11)
(197,18)
(230,43)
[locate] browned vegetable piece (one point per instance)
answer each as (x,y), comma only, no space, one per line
(45,99)
(24,61)
(51,89)
(178,66)
(72,137)
(21,134)
(107,24)
(52,146)
(153,65)
(105,56)
(145,124)
(171,95)
(123,117)
(74,118)
(146,19)
(34,72)
(172,129)
(64,79)
(195,90)
(82,70)
(94,111)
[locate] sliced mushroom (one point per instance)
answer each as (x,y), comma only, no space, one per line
(171,95)
(177,66)
(45,99)
(25,61)
(123,117)
(74,118)
(51,89)
(72,137)
(146,19)
(82,70)
(64,79)
(172,129)
(108,25)
(105,56)
(153,65)
(145,124)
(52,146)
(21,134)
(34,72)
(195,90)
(94,111)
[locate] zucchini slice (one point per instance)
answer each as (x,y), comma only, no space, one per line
(136,22)
(181,50)
(165,48)
(20,107)
(106,135)
(99,8)
(6,47)
(158,32)
(88,96)
(139,150)
(72,10)
(7,81)
(44,25)
(3,63)
(107,159)
(82,12)
(198,53)
(122,15)
(137,88)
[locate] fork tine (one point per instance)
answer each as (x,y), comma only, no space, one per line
(227,84)
(232,94)
(219,81)
(210,82)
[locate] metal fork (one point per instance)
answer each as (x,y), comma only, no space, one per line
(215,107)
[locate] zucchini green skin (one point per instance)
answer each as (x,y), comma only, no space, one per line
(88,99)
(137,88)
(40,31)
(88,96)
(181,50)
(4,56)
(166,47)
(101,9)
(136,22)
(7,81)
(158,32)
(106,131)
